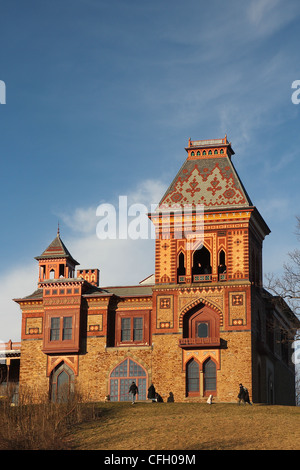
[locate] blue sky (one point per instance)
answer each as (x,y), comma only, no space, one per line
(101,98)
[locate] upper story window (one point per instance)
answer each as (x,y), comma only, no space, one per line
(202,330)
(60,328)
(132,328)
(62,331)
(201,270)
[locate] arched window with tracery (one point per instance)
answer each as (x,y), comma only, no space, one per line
(210,377)
(122,377)
(192,378)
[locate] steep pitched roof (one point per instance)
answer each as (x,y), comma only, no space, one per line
(57,249)
(211,181)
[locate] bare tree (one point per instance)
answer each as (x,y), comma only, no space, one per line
(287,287)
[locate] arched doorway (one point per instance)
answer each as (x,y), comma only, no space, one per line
(61,383)
(121,378)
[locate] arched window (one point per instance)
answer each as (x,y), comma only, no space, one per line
(192,378)
(200,327)
(216,152)
(181,268)
(204,152)
(222,265)
(198,153)
(210,377)
(121,378)
(192,154)
(52,274)
(222,151)
(209,152)
(61,383)
(201,261)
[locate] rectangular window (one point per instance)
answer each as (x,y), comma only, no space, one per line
(54,329)
(137,329)
(67,328)
(202,330)
(125,329)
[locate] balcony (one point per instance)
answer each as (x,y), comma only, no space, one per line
(202,277)
(194,343)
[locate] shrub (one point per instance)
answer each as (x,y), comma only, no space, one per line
(37,424)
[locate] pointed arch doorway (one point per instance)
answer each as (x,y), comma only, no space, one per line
(122,376)
(61,383)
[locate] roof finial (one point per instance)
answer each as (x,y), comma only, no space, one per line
(58,229)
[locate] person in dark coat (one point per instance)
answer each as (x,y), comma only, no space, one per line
(158,397)
(133,390)
(151,393)
(246,396)
(241,395)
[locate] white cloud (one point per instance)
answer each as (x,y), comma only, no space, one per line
(121,261)
(17,282)
(268,16)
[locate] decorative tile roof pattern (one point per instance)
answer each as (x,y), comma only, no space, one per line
(57,249)
(212,182)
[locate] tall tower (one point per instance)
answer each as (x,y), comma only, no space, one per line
(208,259)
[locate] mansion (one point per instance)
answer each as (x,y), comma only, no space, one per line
(199,326)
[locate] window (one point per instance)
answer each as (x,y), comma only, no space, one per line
(202,330)
(210,377)
(192,377)
(61,270)
(67,328)
(201,261)
(62,331)
(125,329)
(137,329)
(131,329)
(55,328)
(121,378)
(181,268)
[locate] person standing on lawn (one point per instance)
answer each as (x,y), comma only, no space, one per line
(133,390)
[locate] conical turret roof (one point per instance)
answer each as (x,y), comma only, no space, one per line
(57,249)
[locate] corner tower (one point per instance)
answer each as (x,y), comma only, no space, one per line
(208,260)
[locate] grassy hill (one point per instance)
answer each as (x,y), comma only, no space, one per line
(188,426)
